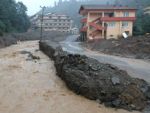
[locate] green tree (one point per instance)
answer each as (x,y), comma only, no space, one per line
(13,16)
(22,18)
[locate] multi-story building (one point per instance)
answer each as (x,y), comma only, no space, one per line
(53,22)
(106,22)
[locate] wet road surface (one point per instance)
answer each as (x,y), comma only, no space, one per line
(32,86)
(135,67)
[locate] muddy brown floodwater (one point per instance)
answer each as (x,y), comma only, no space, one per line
(31,86)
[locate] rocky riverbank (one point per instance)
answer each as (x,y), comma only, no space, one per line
(97,81)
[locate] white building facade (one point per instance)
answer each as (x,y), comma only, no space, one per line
(53,22)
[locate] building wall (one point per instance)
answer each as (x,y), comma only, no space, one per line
(94,15)
(114,31)
(62,23)
(98,36)
(129,28)
(59,23)
(120,13)
(117,30)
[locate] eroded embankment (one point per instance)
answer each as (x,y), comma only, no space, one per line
(98,81)
(137,47)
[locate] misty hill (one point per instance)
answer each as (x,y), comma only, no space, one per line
(71,7)
(137,3)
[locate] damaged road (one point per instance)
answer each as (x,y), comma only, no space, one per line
(135,67)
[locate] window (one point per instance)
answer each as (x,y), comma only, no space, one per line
(109,14)
(124,24)
(126,14)
(111,24)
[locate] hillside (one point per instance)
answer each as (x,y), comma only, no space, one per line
(71,8)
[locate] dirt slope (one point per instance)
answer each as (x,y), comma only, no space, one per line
(137,47)
(31,86)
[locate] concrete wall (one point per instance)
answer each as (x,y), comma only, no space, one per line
(117,30)
(120,14)
(112,32)
(94,15)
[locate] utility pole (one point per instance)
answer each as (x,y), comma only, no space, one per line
(41,33)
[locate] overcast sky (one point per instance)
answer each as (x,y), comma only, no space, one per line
(34,5)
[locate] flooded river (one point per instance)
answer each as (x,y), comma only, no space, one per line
(31,86)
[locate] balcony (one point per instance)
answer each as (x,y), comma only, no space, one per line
(118,19)
(84,20)
(96,26)
(84,29)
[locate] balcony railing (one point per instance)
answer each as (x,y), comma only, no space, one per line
(96,26)
(84,20)
(84,29)
(118,19)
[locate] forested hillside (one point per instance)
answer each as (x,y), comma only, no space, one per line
(71,8)
(13,17)
(137,3)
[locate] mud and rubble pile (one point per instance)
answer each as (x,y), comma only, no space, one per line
(98,81)
(138,47)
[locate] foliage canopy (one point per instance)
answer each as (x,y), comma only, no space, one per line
(13,16)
